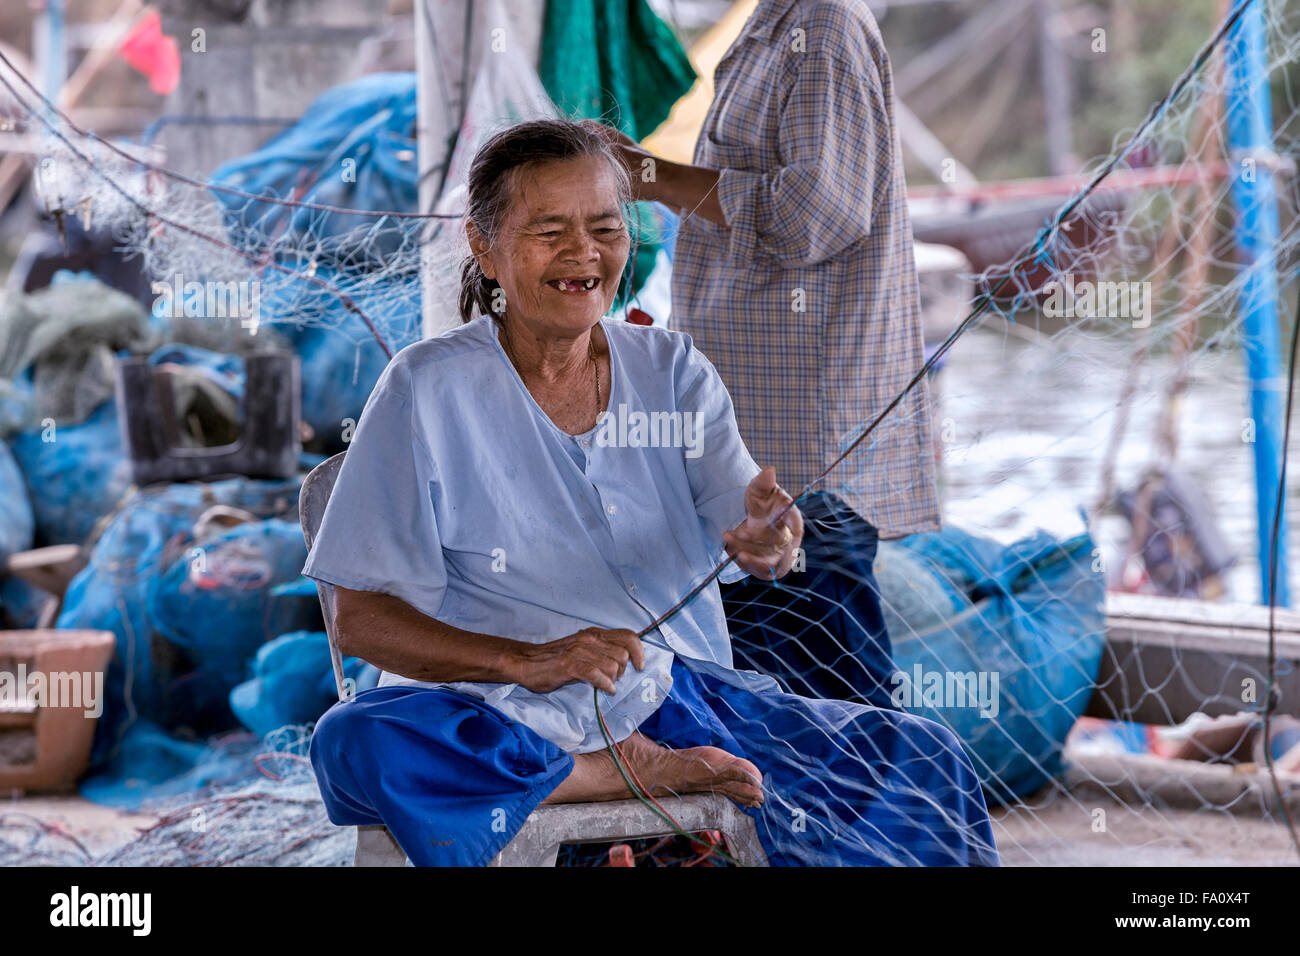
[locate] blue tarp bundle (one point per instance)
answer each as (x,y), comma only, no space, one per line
(1031,613)
(147,580)
(293,682)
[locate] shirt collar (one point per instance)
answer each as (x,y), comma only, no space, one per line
(766,16)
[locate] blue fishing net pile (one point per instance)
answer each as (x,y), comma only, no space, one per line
(1032,612)
(188,614)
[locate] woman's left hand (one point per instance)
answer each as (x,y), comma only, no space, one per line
(764,550)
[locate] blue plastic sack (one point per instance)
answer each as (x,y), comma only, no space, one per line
(1033,614)
(293,682)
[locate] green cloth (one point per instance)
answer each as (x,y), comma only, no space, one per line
(617,62)
(612,60)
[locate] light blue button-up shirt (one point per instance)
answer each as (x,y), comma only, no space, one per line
(462,498)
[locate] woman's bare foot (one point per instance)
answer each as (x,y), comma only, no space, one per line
(663,771)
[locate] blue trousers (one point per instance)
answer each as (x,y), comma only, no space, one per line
(818,631)
(846,784)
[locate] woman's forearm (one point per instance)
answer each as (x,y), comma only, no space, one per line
(395,637)
(690,190)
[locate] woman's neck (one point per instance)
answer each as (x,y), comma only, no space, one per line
(568,377)
(548,358)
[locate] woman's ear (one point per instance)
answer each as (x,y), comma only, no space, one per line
(479,248)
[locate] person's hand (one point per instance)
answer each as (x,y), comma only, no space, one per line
(594,655)
(611,134)
(764,550)
(632,155)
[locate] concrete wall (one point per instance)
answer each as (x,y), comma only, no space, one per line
(272,65)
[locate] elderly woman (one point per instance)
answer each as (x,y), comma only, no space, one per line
(522,498)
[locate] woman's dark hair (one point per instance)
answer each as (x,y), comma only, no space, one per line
(491,184)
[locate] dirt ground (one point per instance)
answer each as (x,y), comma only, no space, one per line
(1057,829)
(96,828)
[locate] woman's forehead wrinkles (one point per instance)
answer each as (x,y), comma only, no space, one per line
(537,196)
(548,218)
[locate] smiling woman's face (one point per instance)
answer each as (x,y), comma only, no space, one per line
(562,247)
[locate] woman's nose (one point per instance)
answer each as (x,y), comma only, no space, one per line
(580,246)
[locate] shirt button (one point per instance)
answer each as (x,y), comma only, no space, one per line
(612,509)
(586,443)
(632,587)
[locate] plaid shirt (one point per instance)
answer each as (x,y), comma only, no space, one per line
(808,303)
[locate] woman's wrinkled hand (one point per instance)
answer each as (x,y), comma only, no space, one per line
(761,547)
(594,655)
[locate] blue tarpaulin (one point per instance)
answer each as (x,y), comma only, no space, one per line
(1031,613)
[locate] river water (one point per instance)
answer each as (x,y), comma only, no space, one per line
(1028,421)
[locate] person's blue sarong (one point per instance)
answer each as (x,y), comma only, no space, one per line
(846,784)
(820,630)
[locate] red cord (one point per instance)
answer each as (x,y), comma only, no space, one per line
(709,847)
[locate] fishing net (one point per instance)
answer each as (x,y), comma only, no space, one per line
(248,801)
(1096,431)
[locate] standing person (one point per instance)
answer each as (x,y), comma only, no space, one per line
(794,272)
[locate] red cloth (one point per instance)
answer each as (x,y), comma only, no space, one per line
(156,55)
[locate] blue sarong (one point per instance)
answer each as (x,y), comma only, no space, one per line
(845,784)
(820,630)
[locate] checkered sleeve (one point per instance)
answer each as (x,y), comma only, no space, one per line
(836,151)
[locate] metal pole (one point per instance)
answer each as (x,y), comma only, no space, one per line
(1056,92)
(56,51)
(1250,137)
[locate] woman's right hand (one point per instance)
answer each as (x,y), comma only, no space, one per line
(594,655)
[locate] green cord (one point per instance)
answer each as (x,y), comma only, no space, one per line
(613,753)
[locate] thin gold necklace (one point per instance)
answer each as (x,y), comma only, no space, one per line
(591,354)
